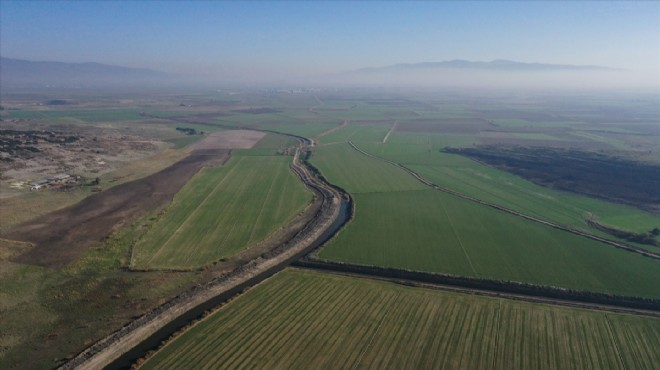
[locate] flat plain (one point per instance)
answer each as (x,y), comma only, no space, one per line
(465,175)
(399,222)
(356,173)
(222,210)
(432,231)
(303,319)
(300,318)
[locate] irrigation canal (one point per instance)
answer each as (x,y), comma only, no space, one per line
(155,340)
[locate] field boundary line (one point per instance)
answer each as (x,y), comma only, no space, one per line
(497,333)
(615,341)
(331,130)
(571,230)
(490,288)
(451,224)
(225,237)
(190,216)
(394,126)
(373,336)
(261,211)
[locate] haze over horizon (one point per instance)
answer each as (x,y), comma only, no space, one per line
(291,42)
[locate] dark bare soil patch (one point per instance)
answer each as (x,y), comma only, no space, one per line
(401,103)
(583,172)
(61,236)
(59,102)
(519,114)
(450,125)
(503,141)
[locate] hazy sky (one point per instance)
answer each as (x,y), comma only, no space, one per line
(305,38)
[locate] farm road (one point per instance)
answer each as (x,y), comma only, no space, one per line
(387,136)
(327,132)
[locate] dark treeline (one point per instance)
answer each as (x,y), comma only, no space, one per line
(485,284)
(642,238)
(583,172)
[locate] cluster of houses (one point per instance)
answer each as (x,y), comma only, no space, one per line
(52,181)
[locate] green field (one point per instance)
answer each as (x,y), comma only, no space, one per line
(304,319)
(222,210)
(344,166)
(301,319)
(359,133)
(401,223)
(432,231)
(473,178)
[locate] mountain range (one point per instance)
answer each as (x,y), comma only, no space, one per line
(495,65)
(24,73)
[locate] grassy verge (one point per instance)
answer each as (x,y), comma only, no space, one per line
(51,315)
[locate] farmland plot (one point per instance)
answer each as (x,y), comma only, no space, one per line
(499,187)
(302,319)
(436,232)
(344,166)
(222,210)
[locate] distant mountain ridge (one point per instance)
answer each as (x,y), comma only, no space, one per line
(24,73)
(17,73)
(495,65)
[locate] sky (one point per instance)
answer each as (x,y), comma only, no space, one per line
(293,39)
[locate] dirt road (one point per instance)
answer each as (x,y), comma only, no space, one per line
(387,136)
(327,132)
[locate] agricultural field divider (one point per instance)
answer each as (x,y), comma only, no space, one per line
(497,288)
(109,349)
(585,234)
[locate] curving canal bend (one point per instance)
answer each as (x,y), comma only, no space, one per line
(122,348)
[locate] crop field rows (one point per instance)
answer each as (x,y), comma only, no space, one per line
(431,231)
(222,210)
(356,173)
(423,229)
(303,319)
(473,178)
